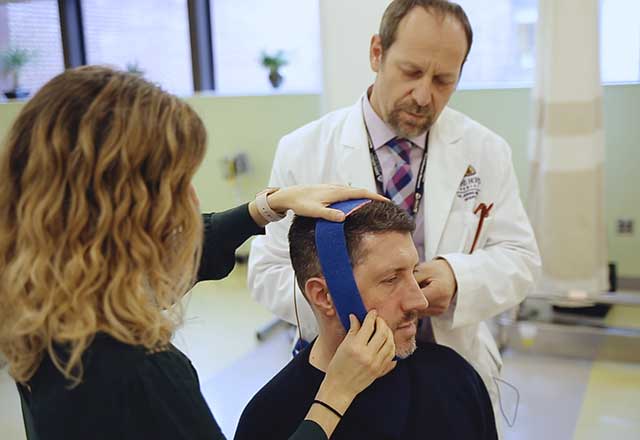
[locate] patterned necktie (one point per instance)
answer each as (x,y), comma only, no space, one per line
(399,188)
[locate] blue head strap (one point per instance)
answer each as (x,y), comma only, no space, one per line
(336,265)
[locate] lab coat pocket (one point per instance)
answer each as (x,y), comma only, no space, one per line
(482,231)
(456,238)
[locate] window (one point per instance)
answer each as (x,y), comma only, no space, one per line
(503,52)
(32,26)
(620,40)
(242,30)
(151,36)
(504,43)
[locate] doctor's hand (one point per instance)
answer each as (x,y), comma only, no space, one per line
(438,284)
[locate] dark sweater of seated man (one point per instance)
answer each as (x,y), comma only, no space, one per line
(433,393)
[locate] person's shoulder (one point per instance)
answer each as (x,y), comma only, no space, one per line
(436,352)
(111,374)
(282,403)
(437,367)
(109,365)
(104,363)
(471,131)
(322,130)
(309,154)
(443,359)
(287,385)
(108,357)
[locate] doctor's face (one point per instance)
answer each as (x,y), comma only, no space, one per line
(419,72)
(385,278)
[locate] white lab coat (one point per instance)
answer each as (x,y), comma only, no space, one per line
(496,277)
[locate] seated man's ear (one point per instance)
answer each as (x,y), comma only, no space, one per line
(317,293)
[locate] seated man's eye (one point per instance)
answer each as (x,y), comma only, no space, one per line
(390,280)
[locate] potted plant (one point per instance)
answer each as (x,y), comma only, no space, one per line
(13,60)
(134,68)
(274,63)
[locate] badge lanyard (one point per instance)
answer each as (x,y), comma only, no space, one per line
(377,168)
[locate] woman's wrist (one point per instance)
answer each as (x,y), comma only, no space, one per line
(330,404)
(335,395)
(262,209)
(276,198)
(255,215)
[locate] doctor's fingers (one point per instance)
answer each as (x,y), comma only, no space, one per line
(438,301)
(435,293)
(424,273)
(433,311)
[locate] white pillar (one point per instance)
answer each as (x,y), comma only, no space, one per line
(566,204)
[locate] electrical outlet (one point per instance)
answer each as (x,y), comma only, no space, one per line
(624,226)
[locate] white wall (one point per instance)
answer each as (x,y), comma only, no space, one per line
(346,30)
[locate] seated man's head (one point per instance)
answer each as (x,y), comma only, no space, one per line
(383,258)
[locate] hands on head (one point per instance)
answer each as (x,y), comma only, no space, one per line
(365,354)
(312,201)
(368,350)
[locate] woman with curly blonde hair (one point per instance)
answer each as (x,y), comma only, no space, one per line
(100,237)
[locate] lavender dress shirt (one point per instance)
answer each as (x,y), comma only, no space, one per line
(381,133)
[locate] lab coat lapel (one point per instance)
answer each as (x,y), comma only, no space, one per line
(446,166)
(353,161)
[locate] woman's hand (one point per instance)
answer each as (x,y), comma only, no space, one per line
(366,354)
(312,200)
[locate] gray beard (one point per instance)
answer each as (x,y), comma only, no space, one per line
(403,354)
(405,130)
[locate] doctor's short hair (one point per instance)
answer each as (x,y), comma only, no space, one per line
(398,9)
(373,218)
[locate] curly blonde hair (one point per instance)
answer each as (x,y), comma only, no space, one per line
(99,229)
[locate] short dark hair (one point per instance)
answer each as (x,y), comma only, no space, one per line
(373,218)
(398,9)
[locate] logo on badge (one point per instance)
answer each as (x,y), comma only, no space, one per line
(470,186)
(471,171)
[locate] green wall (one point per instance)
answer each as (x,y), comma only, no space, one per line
(245,124)
(254,125)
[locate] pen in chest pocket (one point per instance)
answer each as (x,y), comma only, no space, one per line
(483,211)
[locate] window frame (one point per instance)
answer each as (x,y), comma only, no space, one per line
(200,31)
(202,50)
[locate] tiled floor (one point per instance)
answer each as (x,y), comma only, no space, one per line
(560,399)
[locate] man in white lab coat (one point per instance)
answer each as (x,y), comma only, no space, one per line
(478,252)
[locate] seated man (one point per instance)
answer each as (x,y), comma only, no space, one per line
(432,393)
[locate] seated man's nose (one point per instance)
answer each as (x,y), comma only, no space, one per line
(415,300)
